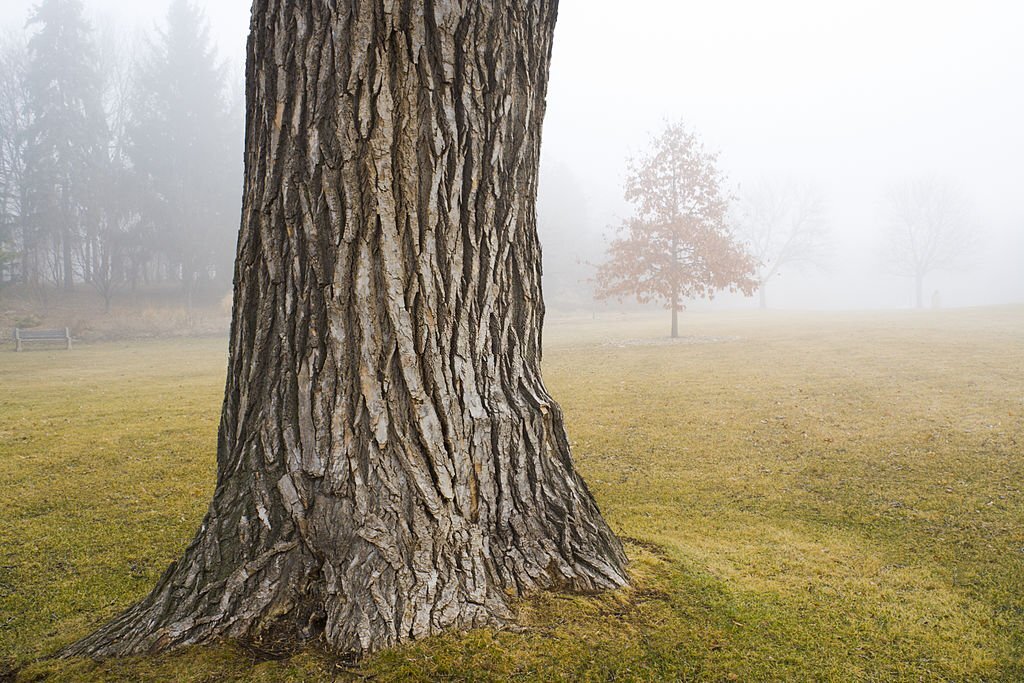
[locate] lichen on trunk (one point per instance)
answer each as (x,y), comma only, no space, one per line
(390,464)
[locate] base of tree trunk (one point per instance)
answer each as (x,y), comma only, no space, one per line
(373,588)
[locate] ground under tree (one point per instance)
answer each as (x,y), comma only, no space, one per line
(389,462)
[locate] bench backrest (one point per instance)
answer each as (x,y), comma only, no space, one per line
(30,335)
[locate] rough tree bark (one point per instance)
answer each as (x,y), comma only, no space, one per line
(390,463)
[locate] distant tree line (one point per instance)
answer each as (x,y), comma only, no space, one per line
(117,167)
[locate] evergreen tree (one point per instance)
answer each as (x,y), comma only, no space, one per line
(66,133)
(185,147)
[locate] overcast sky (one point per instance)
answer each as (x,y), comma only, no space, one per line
(851,96)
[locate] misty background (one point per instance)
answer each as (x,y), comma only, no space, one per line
(843,100)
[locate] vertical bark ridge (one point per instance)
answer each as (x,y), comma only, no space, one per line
(390,463)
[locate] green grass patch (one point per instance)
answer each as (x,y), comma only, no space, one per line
(826,497)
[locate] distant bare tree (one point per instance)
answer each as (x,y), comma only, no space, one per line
(13,124)
(785,226)
(927,228)
(115,212)
(570,247)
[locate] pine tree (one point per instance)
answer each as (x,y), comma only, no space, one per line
(185,148)
(66,132)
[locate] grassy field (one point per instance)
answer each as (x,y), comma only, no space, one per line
(815,497)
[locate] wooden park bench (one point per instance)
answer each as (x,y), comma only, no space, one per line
(22,336)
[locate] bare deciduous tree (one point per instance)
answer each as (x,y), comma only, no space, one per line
(928,227)
(678,244)
(13,127)
(784,226)
(390,463)
(113,208)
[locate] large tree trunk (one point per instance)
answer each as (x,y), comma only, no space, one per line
(389,462)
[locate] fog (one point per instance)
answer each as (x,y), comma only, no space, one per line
(849,98)
(852,97)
